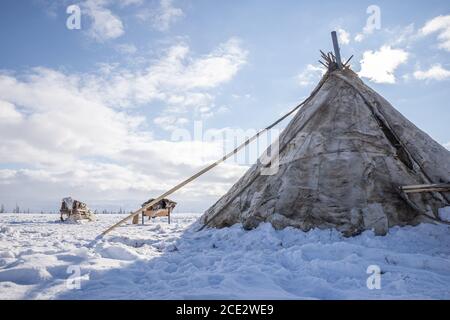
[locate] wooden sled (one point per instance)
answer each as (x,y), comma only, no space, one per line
(161,209)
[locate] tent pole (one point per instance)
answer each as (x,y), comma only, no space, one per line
(337,52)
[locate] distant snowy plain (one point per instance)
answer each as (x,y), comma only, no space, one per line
(42,258)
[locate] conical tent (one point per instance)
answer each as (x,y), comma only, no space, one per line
(342,161)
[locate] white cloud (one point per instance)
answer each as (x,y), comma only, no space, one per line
(70,133)
(440,25)
(367,30)
(436,72)
(359,37)
(163,16)
(126,48)
(379,66)
(373,23)
(344,36)
(60,119)
(170,122)
(8,113)
(71,143)
(125,3)
(177,79)
(167,15)
(206,72)
(105,25)
(310,75)
(401,35)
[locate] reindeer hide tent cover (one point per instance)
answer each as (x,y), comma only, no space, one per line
(342,160)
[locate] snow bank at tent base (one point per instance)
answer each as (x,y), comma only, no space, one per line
(444,214)
(41,258)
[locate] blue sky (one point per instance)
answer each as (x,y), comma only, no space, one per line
(92,112)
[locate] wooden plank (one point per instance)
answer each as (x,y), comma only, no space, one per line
(427,190)
(157,213)
(421,186)
(438,187)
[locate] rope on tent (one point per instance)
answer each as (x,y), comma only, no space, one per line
(211,166)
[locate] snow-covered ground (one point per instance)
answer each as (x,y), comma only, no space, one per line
(159,261)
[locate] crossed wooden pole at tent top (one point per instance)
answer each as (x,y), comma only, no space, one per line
(331,61)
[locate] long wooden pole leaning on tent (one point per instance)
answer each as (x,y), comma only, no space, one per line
(185,182)
(204,170)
